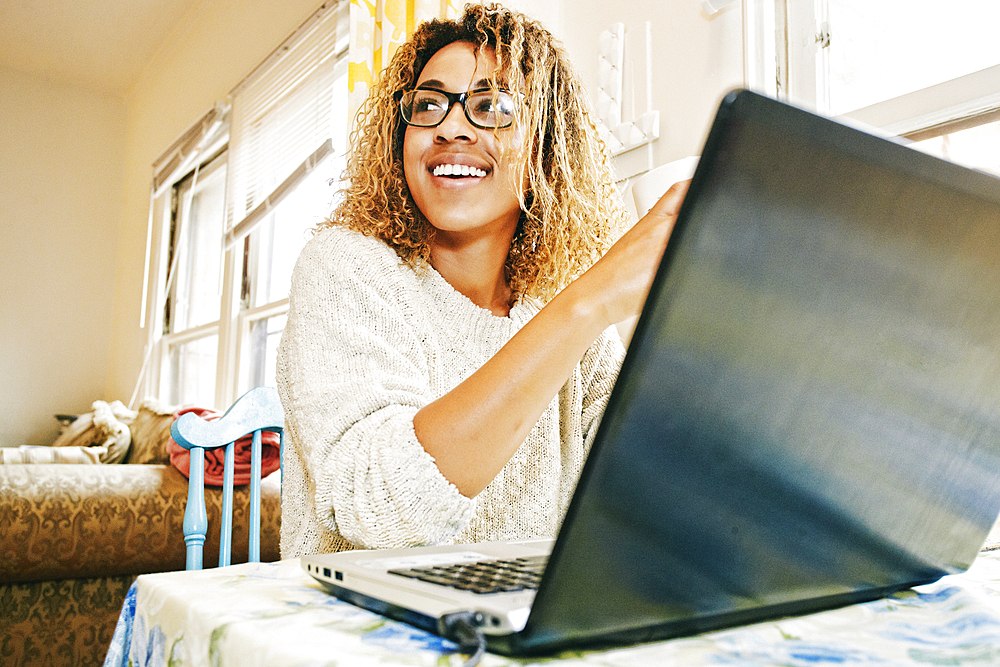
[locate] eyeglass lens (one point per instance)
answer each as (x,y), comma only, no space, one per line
(427,108)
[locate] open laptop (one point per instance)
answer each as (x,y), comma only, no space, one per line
(808,414)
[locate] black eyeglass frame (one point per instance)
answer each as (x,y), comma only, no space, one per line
(452,98)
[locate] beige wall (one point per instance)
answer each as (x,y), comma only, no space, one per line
(75,192)
(61,152)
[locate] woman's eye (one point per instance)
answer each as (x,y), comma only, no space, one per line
(485,107)
(426,104)
(491,111)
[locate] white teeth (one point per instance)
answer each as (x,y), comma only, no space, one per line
(458,170)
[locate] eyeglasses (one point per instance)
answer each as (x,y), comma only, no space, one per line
(486,109)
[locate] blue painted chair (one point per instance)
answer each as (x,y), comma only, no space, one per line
(257,410)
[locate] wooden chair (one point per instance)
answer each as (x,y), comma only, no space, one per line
(256,411)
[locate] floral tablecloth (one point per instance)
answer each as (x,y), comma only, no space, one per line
(273,614)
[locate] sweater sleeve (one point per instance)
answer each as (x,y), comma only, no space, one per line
(599,369)
(353,372)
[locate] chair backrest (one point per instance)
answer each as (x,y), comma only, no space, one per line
(257,410)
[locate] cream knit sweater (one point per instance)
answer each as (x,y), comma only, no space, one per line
(367,343)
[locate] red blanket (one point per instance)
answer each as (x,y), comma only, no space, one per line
(215,459)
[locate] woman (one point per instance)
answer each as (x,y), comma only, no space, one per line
(449,348)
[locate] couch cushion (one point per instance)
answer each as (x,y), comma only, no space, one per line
(66,622)
(75,521)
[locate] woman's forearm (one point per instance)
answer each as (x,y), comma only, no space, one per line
(473,430)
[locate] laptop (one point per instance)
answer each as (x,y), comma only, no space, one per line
(807,416)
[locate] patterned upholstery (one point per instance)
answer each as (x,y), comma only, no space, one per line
(73,537)
(61,622)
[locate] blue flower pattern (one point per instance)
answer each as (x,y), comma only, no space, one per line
(402,638)
(148,650)
(122,639)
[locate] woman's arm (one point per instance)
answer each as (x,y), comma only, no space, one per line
(473,430)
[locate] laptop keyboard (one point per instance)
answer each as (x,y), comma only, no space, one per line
(488,576)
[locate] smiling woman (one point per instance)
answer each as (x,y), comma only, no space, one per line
(449,348)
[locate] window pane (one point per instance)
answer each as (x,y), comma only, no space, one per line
(880,50)
(192,372)
(195,297)
(260,368)
(977,147)
(281,236)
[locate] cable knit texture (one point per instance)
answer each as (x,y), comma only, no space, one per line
(368,342)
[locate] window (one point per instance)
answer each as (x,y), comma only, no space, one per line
(923,69)
(194,259)
(269,254)
(845,55)
(977,146)
(234,201)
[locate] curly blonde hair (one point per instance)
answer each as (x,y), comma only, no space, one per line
(570,210)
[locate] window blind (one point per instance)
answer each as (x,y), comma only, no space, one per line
(284,116)
(197,143)
(200,141)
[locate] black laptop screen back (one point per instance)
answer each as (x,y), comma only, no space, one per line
(809,411)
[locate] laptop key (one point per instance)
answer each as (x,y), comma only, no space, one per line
(483,577)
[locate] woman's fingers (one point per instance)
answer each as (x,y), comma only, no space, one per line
(621,279)
(670,203)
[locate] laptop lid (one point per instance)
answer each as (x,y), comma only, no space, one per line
(809,411)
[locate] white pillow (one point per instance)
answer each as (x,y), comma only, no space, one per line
(42,454)
(107,426)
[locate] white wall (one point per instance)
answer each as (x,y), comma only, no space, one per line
(61,153)
(547,12)
(696,59)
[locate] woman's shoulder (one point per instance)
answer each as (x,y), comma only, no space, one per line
(340,251)
(356,277)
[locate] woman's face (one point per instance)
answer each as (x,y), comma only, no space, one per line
(455,171)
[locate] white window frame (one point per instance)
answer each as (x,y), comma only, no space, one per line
(197,146)
(946,107)
(779,62)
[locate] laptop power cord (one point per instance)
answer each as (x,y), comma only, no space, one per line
(461,629)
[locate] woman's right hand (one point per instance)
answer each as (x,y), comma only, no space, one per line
(621,279)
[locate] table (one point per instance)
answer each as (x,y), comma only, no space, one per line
(273,614)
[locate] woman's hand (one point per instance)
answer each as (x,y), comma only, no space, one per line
(621,279)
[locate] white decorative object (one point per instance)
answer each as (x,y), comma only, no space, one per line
(621,136)
(648,188)
(713,7)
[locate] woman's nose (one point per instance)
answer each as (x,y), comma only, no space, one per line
(455,125)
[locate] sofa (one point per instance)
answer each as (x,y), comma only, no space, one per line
(75,535)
